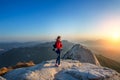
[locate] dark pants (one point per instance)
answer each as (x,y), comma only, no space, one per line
(58,57)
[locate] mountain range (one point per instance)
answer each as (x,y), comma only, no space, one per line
(43,51)
(5,46)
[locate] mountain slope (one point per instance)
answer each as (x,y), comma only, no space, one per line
(106,62)
(69,70)
(36,54)
(81,53)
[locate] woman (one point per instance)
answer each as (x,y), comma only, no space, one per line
(58,46)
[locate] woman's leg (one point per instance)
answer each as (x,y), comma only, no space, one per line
(58,57)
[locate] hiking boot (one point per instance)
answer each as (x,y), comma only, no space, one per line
(56,64)
(59,65)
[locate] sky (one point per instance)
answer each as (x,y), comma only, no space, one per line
(33,20)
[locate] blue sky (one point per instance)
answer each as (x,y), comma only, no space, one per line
(27,20)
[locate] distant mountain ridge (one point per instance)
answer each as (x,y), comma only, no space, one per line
(17,44)
(99,41)
(5,46)
(1,50)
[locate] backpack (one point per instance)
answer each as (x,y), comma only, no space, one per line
(54,46)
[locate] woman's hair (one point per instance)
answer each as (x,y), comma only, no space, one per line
(58,37)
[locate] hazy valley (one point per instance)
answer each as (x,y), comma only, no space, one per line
(100,47)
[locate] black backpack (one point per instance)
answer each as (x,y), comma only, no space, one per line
(54,46)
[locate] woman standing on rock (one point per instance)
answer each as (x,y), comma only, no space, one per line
(58,47)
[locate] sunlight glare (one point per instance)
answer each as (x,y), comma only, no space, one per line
(116,36)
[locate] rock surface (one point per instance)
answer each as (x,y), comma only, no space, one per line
(69,70)
(81,53)
(1,78)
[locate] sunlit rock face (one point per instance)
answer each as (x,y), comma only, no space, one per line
(81,53)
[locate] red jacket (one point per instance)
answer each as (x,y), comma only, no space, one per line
(58,44)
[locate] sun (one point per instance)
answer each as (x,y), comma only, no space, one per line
(116,36)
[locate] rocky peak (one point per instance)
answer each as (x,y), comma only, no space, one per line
(69,70)
(81,53)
